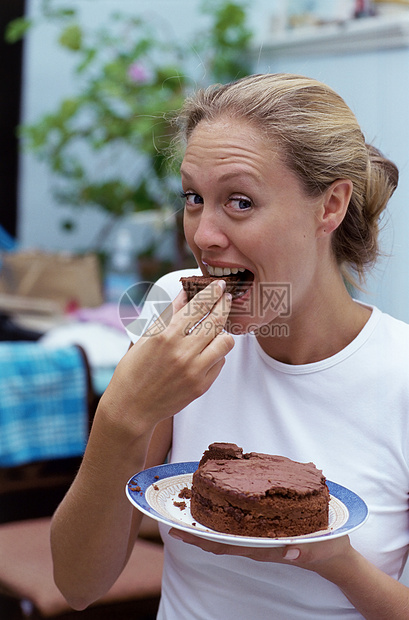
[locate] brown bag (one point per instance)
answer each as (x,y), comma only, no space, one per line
(68,279)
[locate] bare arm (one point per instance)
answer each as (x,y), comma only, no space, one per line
(374,594)
(94,528)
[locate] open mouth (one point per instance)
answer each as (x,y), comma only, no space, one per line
(238,281)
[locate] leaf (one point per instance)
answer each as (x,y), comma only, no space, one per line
(68,108)
(115,108)
(71,37)
(17,29)
(89,55)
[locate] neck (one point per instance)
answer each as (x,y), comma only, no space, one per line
(331,322)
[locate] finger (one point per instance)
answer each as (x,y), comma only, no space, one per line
(259,554)
(207,545)
(207,366)
(213,356)
(211,375)
(212,324)
(179,301)
(204,301)
(177,304)
(166,316)
(291,553)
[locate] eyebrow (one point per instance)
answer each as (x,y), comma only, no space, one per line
(224,177)
(184,173)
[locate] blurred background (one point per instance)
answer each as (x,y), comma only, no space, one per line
(90,80)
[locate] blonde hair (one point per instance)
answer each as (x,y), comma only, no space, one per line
(319,139)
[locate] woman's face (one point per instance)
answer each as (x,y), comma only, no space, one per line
(246,210)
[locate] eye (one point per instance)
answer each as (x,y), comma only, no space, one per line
(192,199)
(239,203)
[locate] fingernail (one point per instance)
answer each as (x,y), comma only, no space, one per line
(292,554)
(222,284)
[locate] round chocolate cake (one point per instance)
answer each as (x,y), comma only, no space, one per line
(258,494)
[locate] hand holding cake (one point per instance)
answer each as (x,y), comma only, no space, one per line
(175,362)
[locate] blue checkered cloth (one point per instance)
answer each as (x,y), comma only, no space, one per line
(43,403)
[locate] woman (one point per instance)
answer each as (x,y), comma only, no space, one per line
(279,184)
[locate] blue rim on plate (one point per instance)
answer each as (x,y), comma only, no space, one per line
(351,512)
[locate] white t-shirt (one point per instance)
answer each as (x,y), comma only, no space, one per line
(349,414)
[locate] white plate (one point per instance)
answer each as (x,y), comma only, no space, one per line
(155,491)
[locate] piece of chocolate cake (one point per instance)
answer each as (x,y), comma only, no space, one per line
(194,284)
(220,450)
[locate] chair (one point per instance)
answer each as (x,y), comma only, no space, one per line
(34,477)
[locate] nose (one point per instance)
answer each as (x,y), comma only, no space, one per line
(209,233)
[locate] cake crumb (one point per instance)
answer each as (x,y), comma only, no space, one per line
(185,493)
(134,488)
(181,505)
(155,486)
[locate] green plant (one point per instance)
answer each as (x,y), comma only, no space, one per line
(107,145)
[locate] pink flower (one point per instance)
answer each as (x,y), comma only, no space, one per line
(137,72)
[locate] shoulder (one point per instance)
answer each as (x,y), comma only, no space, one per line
(391,341)
(170,282)
(394,330)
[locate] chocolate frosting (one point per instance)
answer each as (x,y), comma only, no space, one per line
(259,474)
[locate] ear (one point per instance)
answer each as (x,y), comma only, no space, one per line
(335,201)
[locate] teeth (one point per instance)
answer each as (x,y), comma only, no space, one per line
(224,271)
